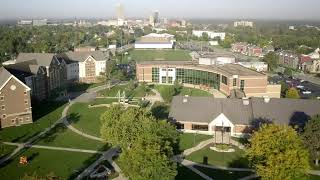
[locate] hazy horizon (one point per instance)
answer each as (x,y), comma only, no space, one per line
(189,9)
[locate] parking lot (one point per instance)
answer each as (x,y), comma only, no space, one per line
(307,89)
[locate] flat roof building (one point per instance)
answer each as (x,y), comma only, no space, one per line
(155,41)
(226,78)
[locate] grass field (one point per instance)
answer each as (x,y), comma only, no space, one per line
(151,55)
(103,101)
(63,164)
(61,136)
(139,91)
(85,119)
(194,92)
(6,150)
(43,116)
(188,140)
(82,86)
(235,159)
(223,174)
(184,91)
(186,174)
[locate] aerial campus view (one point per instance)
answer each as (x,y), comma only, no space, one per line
(163,90)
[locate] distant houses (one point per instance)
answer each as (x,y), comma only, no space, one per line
(250,49)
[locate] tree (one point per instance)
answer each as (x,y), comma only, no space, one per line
(284,87)
(287,72)
(311,138)
(205,36)
(271,59)
(168,92)
(148,144)
(292,93)
(277,152)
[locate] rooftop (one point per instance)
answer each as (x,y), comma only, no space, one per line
(227,69)
(206,109)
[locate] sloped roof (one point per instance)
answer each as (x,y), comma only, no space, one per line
(30,66)
(82,56)
(279,111)
(42,59)
(4,75)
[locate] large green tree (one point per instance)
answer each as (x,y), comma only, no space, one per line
(277,153)
(147,143)
(271,59)
(311,138)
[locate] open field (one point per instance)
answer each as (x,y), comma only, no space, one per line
(43,116)
(63,164)
(152,55)
(235,159)
(61,136)
(85,119)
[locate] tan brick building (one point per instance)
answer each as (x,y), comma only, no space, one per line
(15,102)
(225,78)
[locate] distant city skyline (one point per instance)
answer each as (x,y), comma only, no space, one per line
(215,9)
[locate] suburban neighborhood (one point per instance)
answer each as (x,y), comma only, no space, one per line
(158,96)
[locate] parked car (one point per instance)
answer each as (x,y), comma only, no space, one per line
(306,92)
(300,87)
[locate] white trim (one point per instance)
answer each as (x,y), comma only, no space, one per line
(12,76)
(221,120)
(90,57)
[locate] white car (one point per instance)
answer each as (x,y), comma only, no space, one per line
(306,92)
(300,87)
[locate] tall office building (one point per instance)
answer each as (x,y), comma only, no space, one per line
(156,17)
(120,11)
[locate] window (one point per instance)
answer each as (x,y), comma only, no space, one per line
(25,92)
(13,121)
(224,80)
(26,101)
(3,107)
(27,119)
(200,127)
(20,119)
(163,69)
(170,80)
(155,75)
(170,69)
(180,126)
(163,79)
(1,98)
(242,85)
(234,82)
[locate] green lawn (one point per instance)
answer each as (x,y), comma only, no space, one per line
(139,91)
(6,150)
(78,87)
(103,101)
(183,91)
(43,116)
(61,136)
(223,174)
(85,119)
(151,55)
(234,159)
(186,174)
(194,92)
(63,164)
(188,140)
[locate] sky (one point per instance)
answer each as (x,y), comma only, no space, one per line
(213,9)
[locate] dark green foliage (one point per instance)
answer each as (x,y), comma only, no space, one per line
(311,138)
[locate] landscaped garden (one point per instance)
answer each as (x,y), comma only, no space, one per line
(189,140)
(223,174)
(152,55)
(61,163)
(86,119)
(44,115)
(61,136)
(226,159)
